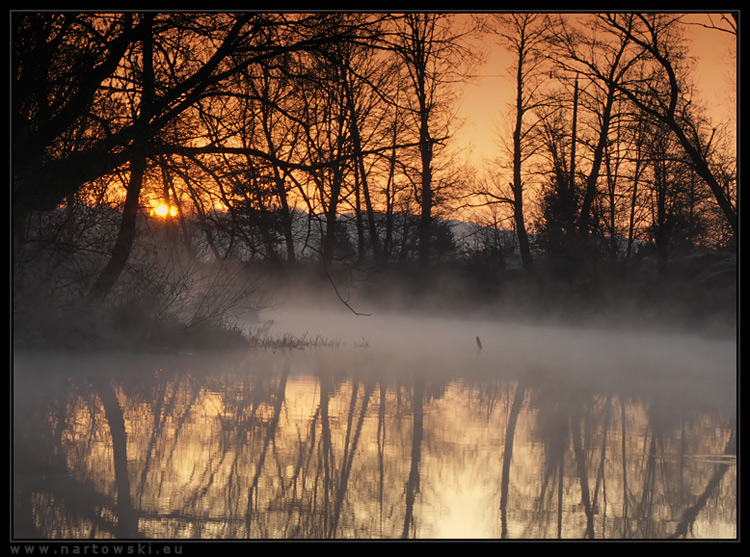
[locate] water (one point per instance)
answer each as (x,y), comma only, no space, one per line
(403,428)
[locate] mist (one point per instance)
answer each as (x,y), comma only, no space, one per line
(445,330)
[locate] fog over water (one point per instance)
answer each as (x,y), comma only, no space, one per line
(512,344)
(387,425)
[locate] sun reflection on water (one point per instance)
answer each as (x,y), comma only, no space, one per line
(264,451)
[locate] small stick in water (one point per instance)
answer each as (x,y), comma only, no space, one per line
(479,343)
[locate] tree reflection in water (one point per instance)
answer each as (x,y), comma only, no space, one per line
(310,445)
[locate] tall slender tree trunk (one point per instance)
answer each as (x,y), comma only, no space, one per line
(584,218)
(286,219)
(573,143)
(634,201)
(329,238)
(390,198)
(286,216)
(425,216)
(421,32)
(363,182)
(125,237)
(523,238)
(359,221)
(661,233)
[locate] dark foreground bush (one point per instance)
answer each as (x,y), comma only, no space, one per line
(79,329)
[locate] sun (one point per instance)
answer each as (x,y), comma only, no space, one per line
(163,210)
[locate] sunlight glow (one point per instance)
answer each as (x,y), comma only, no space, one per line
(163,210)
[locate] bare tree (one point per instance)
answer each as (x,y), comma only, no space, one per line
(431,52)
(603,64)
(663,94)
(60,62)
(130,96)
(523,35)
(144,110)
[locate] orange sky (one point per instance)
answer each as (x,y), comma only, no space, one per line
(485,100)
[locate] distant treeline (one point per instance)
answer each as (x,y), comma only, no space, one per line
(327,139)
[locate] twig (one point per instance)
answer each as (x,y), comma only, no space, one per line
(336,290)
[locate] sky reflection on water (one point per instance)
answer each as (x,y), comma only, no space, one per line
(368,443)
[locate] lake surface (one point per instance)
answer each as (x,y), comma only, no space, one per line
(403,429)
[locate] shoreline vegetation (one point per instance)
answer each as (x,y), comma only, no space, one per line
(698,296)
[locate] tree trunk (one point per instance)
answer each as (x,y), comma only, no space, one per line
(329,238)
(523,238)
(125,238)
(286,220)
(668,117)
(425,216)
(373,232)
(584,217)
(286,216)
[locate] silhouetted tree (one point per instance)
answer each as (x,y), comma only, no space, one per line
(560,194)
(523,35)
(663,93)
(431,52)
(136,81)
(602,64)
(61,64)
